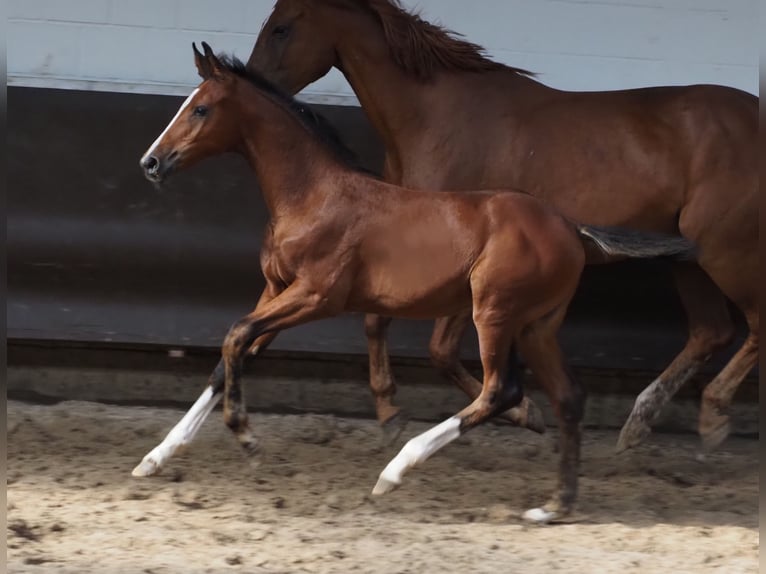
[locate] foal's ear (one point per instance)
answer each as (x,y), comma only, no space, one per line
(204,67)
(219,70)
(208,64)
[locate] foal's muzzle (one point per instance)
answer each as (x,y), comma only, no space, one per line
(155,168)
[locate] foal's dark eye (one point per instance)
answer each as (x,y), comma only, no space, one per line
(280,31)
(200,111)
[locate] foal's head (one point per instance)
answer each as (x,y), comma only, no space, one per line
(206,124)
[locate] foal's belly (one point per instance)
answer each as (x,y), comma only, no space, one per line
(415,261)
(430,288)
(429,305)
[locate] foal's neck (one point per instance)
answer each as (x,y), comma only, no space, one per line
(289,160)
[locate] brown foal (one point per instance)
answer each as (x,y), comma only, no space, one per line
(340,240)
(668,159)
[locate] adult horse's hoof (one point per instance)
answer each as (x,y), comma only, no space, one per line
(541,515)
(526,415)
(147,467)
(384,486)
(392,429)
(633,433)
(713,436)
(535,418)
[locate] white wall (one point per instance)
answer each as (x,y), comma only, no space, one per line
(145,45)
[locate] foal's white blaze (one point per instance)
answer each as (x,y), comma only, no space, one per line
(180,435)
(186,103)
(416,451)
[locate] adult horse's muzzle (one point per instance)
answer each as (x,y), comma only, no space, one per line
(157,168)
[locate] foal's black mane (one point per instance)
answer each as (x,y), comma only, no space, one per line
(314,122)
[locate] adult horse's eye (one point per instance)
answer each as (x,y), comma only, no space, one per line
(200,111)
(280,31)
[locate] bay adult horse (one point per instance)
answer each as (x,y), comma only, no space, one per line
(341,240)
(669,159)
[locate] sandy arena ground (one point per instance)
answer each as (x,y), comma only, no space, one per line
(73,506)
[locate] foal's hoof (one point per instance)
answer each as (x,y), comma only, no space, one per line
(392,429)
(251,447)
(542,515)
(147,467)
(539,515)
(633,433)
(384,486)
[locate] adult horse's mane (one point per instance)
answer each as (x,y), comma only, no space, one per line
(313,121)
(421,48)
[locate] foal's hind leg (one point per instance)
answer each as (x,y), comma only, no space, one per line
(498,394)
(444,350)
(540,348)
(710,329)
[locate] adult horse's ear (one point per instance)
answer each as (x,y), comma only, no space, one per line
(204,67)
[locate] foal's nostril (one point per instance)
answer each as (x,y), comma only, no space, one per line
(151,164)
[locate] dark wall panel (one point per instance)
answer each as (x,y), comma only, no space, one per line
(97,254)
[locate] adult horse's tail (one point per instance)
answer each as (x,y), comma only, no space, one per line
(606,244)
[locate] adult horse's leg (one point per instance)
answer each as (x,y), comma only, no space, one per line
(187,428)
(382,383)
(729,254)
(726,233)
(710,329)
(539,346)
(444,349)
(499,393)
(716,399)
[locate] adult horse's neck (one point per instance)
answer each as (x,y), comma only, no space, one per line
(395,102)
(400,105)
(289,160)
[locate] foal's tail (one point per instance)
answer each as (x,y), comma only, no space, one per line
(614,243)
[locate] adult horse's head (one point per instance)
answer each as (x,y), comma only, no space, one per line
(303,39)
(202,126)
(296,45)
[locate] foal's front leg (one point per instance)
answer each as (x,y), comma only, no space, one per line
(187,428)
(297,304)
